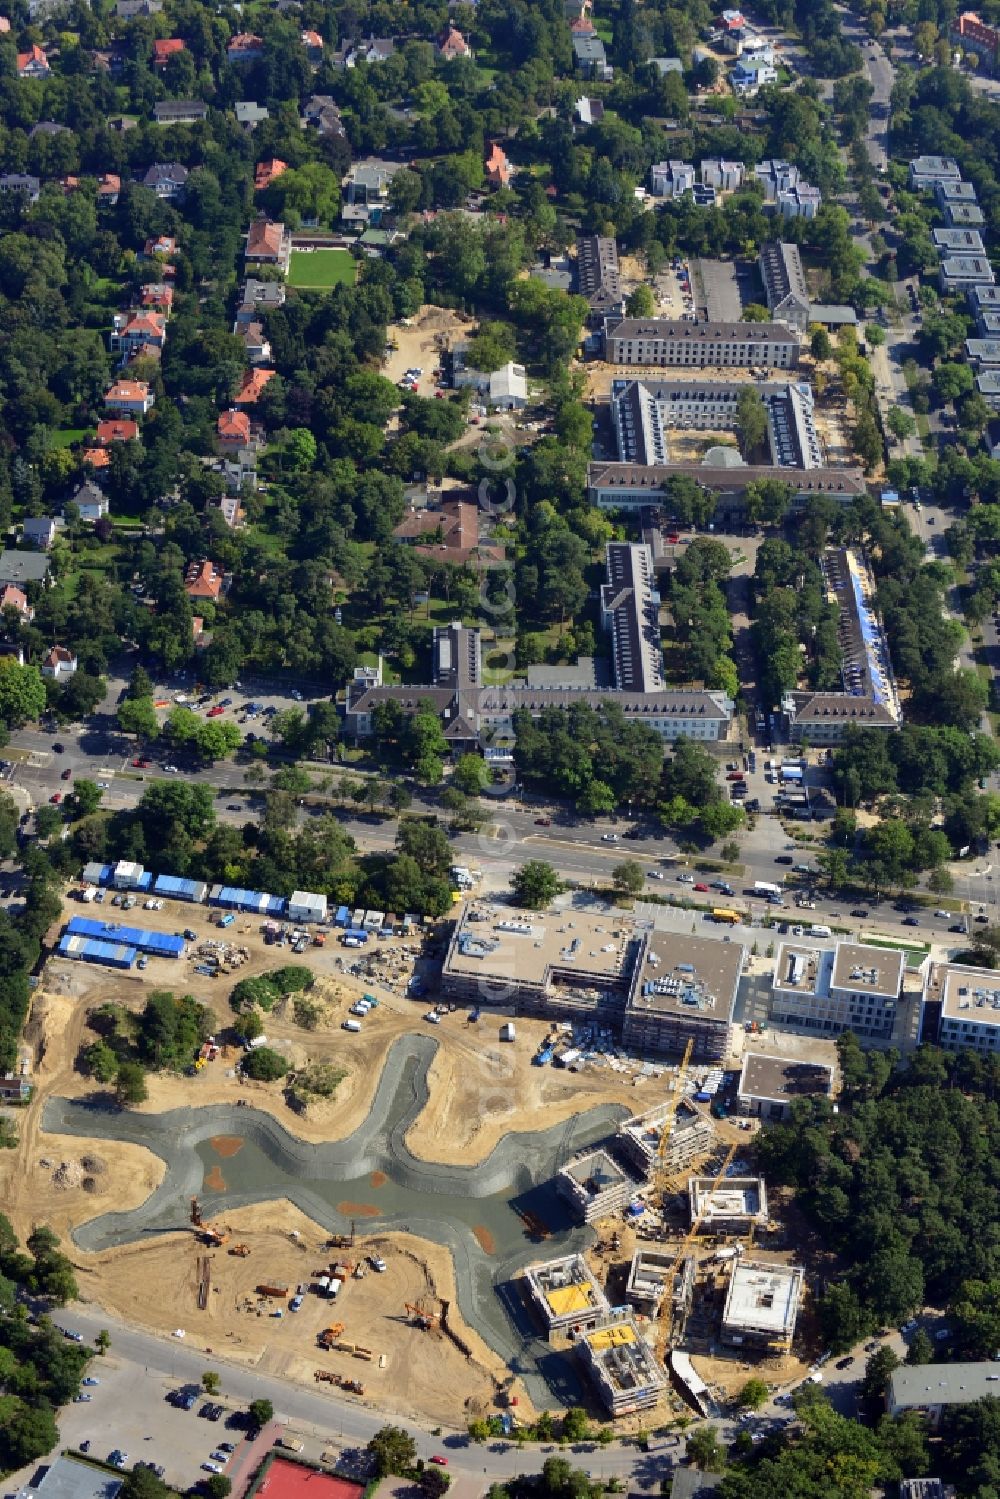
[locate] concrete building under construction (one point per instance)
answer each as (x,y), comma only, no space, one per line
(595,1185)
(621,1365)
(565,1295)
(762,1305)
(640,1140)
(652,1276)
(735,1205)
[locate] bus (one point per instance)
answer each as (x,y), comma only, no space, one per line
(727,918)
(762,887)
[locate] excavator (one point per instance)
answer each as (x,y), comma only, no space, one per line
(421,1317)
(209,1234)
(329,1335)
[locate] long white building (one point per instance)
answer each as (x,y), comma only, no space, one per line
(645,411)
(677,343)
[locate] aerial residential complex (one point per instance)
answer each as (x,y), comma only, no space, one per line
(645,411)
(847,986)
(687,345)
(565,1295)
(961,1008)
(762,1305)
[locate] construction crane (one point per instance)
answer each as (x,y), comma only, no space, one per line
(667,1126)
(663,1330)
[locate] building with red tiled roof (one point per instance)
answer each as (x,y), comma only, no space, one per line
(97,457)
(233,429)
(245,46)
(203,580)
(11,597)
(33,63)
(268,172)
(448,534)
(165,48)
(109,186)
(253,385)
(139,331)
(58,663)
(582,26)
(121,430)
(157,294)
(269,243)
(452,44)
(497,167)
(313,42)
(130,396)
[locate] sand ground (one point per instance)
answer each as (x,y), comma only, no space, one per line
(479,1091)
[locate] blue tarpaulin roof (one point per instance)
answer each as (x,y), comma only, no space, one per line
(162,943)
(172,884)
(115,953)
(248,900)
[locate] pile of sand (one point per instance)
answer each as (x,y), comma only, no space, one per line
(68,1174)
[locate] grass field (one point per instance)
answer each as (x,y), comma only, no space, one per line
(321,269)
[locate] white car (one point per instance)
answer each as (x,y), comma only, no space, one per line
(104,785)
(609,837)
(211,1467)
(686,879)
(655,874)
(378,1264)
(433,1017)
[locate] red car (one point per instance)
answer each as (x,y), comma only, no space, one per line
(442,1462)
(56,799)
(140,763)
(673,537)
(702,888)
(543,822)
(736,775)
(214,712)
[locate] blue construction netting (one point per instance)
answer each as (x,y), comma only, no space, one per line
(87,949)
(871,636)
(161,943)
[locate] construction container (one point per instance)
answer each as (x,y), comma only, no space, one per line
(160,944)
(92,950)
(272,1288)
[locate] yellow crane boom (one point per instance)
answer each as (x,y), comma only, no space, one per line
(663,1331)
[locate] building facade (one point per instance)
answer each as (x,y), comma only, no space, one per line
(677,343)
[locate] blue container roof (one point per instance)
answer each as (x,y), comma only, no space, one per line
(133,936)
(102,952)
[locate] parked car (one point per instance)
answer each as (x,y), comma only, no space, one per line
(609,837)
(860,912)
(140,763)
(701,888)
(910,921)
(543,822)
(56,798)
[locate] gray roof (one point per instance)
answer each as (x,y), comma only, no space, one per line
(677,328)
(166,171)
(842,481)
(942,1384)
(690,1484)
(179,109)
(23,567)
(68,1478)
(249,113)
(589,48)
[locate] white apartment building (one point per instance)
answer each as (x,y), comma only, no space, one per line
(671,179)
(846,987)
(675,343)
(961,1008)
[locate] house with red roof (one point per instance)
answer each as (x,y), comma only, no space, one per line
(11,597)
(497,167)
(313,43)
(97,457)
(135,331)
(130,397)
(245,46)
(203,580)
(120,430)
(232,430)
(269,243)
(157,295)
(58,663)
(109,186)
(452,44)
(254,382)
(268,172)
(164,48)
(33,63)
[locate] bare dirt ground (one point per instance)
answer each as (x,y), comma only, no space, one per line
(691,447)
(418,346)
(479,1091)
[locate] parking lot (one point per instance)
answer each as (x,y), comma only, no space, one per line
(128,1410)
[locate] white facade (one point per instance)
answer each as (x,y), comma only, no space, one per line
(670,179)
(304,906)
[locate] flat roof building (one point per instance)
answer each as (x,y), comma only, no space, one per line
(958,241)
(958,272)
(850,986)
(640,1139)
(928,171)
(683,988)
(737,1205)
(650,1275)
(961,1009)
(621,1365)
(595,1185)
(565,1294)
(769,1085)
(612,485)
(69,1478)
(540,962)
(929,1388)
(762,1305)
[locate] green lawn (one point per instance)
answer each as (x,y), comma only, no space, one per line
(321,269)
(67,438)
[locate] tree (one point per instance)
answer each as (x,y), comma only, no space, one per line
(136,715)
(575,1426)
(85,798)
(535,884)
(921,1349)
(103,1341)
(22,693)
(640,302)
(218,1486)
(264,1065)
(820,344)
(628,878)
(751,419)
(261,1412)
(705,1450)
(471,775)
(900,422)
(876,1380)
(393,1450)
(211,1382)
(754,1394)
(130,1084)
(143,1483)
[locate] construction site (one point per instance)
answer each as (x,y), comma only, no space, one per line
(251,1216)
